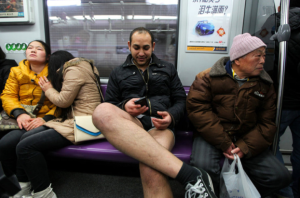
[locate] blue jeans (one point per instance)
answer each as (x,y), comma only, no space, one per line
(291,118)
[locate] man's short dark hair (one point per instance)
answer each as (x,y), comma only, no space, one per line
(141,30)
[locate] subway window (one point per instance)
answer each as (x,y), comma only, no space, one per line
(260,21)
(100,29)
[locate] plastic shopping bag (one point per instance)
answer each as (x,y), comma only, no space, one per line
(223,189)
(238,185)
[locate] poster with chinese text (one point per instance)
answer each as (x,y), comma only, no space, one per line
(208,25)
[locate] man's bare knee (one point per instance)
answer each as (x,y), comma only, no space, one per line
(106,115)
(103,115)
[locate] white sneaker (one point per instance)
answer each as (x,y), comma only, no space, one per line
(202,188)
(25,190)
(47,193)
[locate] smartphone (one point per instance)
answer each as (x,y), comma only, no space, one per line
(142,101)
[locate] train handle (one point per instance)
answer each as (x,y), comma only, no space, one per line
(283,35)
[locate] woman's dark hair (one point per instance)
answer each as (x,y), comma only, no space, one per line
(46,47)
(2,54)
(57,61)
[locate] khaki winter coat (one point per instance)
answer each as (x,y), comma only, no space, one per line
(80,90)
(222,112)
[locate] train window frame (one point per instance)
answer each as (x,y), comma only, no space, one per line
(165,27)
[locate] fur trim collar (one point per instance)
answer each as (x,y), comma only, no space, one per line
(218,69)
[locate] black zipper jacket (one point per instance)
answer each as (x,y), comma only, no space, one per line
(164,91)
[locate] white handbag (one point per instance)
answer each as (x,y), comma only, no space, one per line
(85,130)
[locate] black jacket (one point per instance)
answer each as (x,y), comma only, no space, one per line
(165,91)
(5,65)
(291,95)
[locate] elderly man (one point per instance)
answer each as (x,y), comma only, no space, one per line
(232,106)
(144,129)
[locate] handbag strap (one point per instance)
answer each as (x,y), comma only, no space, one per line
(73,112)
(39,104)
(98,83)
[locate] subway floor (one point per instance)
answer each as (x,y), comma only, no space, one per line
(89,179)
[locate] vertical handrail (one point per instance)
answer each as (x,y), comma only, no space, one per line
(284,19)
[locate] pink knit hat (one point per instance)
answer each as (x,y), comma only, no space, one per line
(244,44)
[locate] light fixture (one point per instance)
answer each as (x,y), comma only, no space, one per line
(150,17)
(53,18)
(105,17)
(139,17)
(165,17)
(80,17)
(162,2)
(63,2)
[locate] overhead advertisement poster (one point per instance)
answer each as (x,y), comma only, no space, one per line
(208,25)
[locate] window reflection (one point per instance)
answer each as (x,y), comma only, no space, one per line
(99,30)
(261,23)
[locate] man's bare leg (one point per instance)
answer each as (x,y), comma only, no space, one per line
(156,184)
(124,132)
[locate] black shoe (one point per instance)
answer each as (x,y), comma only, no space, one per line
(202,188)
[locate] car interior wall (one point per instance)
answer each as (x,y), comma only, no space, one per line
(191,63)
(277,3)
(26,33)
(23,33)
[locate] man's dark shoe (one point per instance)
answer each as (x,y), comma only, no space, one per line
(202,188)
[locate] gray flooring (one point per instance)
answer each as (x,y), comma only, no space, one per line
(88,179)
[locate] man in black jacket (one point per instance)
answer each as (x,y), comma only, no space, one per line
(290,115)
(145,131)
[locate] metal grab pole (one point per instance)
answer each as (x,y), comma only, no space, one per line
(283,37)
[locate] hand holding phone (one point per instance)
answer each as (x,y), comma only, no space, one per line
(142,101)
(135,109)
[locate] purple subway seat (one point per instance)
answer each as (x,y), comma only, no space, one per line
(186,89)
(102,150)
(103,89)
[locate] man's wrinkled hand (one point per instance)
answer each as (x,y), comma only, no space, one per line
(238,151)
(133,109)
(228,153)
(164,122)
